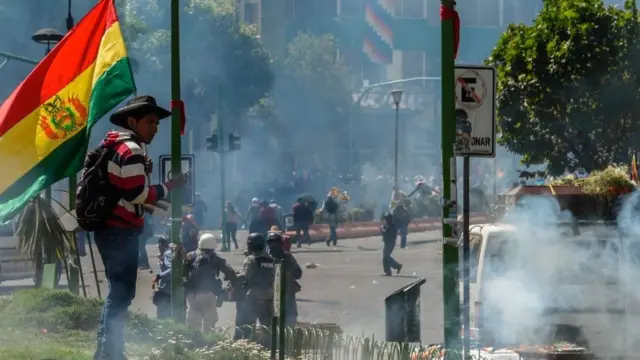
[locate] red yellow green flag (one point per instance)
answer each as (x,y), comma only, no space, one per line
(45,124)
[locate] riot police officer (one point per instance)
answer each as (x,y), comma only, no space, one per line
(275,243)
(258,271)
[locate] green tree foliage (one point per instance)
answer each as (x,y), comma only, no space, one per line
(312,98)
(568,86)
(216,50)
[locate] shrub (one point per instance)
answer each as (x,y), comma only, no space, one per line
(59,311)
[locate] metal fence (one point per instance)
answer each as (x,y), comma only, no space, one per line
(326,341)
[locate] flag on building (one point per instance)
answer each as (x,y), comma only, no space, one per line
(378,34)
(634,169)
(45,123)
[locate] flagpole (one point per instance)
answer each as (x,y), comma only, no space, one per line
(75,273)
(177,288)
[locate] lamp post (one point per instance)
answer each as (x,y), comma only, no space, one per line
(47,37)
(397,97)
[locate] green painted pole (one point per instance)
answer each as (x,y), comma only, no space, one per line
(450,290)
(223,154)
(177,286)
(75,272)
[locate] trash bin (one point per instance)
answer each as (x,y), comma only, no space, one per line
(402,313)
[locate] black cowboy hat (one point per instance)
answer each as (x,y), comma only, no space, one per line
(139,104)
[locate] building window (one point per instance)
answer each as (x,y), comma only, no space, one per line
(413,64)
(329,7)
(485,13)
(432,9)
(350,8)
(411,8)
(251,15)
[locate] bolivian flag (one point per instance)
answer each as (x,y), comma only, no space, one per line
(46,122)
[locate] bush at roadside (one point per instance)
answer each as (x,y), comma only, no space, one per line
(60,315)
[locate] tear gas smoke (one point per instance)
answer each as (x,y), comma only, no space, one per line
(537,274)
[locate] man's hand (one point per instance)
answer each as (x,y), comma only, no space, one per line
(148,166)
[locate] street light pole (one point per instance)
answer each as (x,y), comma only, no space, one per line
(397,97)
(356,105)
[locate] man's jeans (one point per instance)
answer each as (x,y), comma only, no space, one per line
(119,252)
(303,227)
(403,230)
(332,220)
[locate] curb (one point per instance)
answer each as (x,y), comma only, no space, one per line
(320,232)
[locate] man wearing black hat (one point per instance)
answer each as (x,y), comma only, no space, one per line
(118,241)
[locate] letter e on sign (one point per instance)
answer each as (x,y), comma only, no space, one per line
(471,90)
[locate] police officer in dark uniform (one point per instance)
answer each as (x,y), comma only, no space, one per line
(258,271)
(275,241)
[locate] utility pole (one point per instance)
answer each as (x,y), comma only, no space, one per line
(177,288)
(450,269)
(223,214)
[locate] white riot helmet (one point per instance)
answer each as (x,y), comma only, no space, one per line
(207,242)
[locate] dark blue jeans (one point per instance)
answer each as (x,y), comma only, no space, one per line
(303,227)
(403,230)
(119,252)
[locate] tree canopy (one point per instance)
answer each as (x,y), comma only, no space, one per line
(568,86)
(216,50)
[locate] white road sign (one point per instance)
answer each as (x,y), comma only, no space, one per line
(475,111)
(276,290)
(187,163)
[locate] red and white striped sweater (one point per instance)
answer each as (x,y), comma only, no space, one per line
(127,174)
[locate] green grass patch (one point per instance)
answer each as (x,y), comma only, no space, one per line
(48,324)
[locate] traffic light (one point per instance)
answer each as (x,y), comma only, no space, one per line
(213,144)
(234,142)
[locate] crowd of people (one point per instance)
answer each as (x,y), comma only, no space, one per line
(120,166)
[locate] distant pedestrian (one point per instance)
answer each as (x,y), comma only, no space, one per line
(331,210)
(389,237)
(251,219)
(302,219)
(230,227)
(198,210)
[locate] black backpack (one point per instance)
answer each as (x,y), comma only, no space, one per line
(95,198)
(331,206)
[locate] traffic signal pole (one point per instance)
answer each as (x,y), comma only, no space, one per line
(222,151)
(177,287)
(450,287)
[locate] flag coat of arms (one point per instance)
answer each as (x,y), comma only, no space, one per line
(45,123)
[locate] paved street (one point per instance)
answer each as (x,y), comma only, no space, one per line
(346,288)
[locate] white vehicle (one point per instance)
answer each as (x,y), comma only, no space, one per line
(530,290)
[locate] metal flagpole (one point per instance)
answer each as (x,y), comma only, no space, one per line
(450,290)
(74,272)
(177,288)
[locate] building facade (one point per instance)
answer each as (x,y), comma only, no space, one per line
(387,39)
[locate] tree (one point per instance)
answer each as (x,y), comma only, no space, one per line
(312,96)
(568,86)
(216,52)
